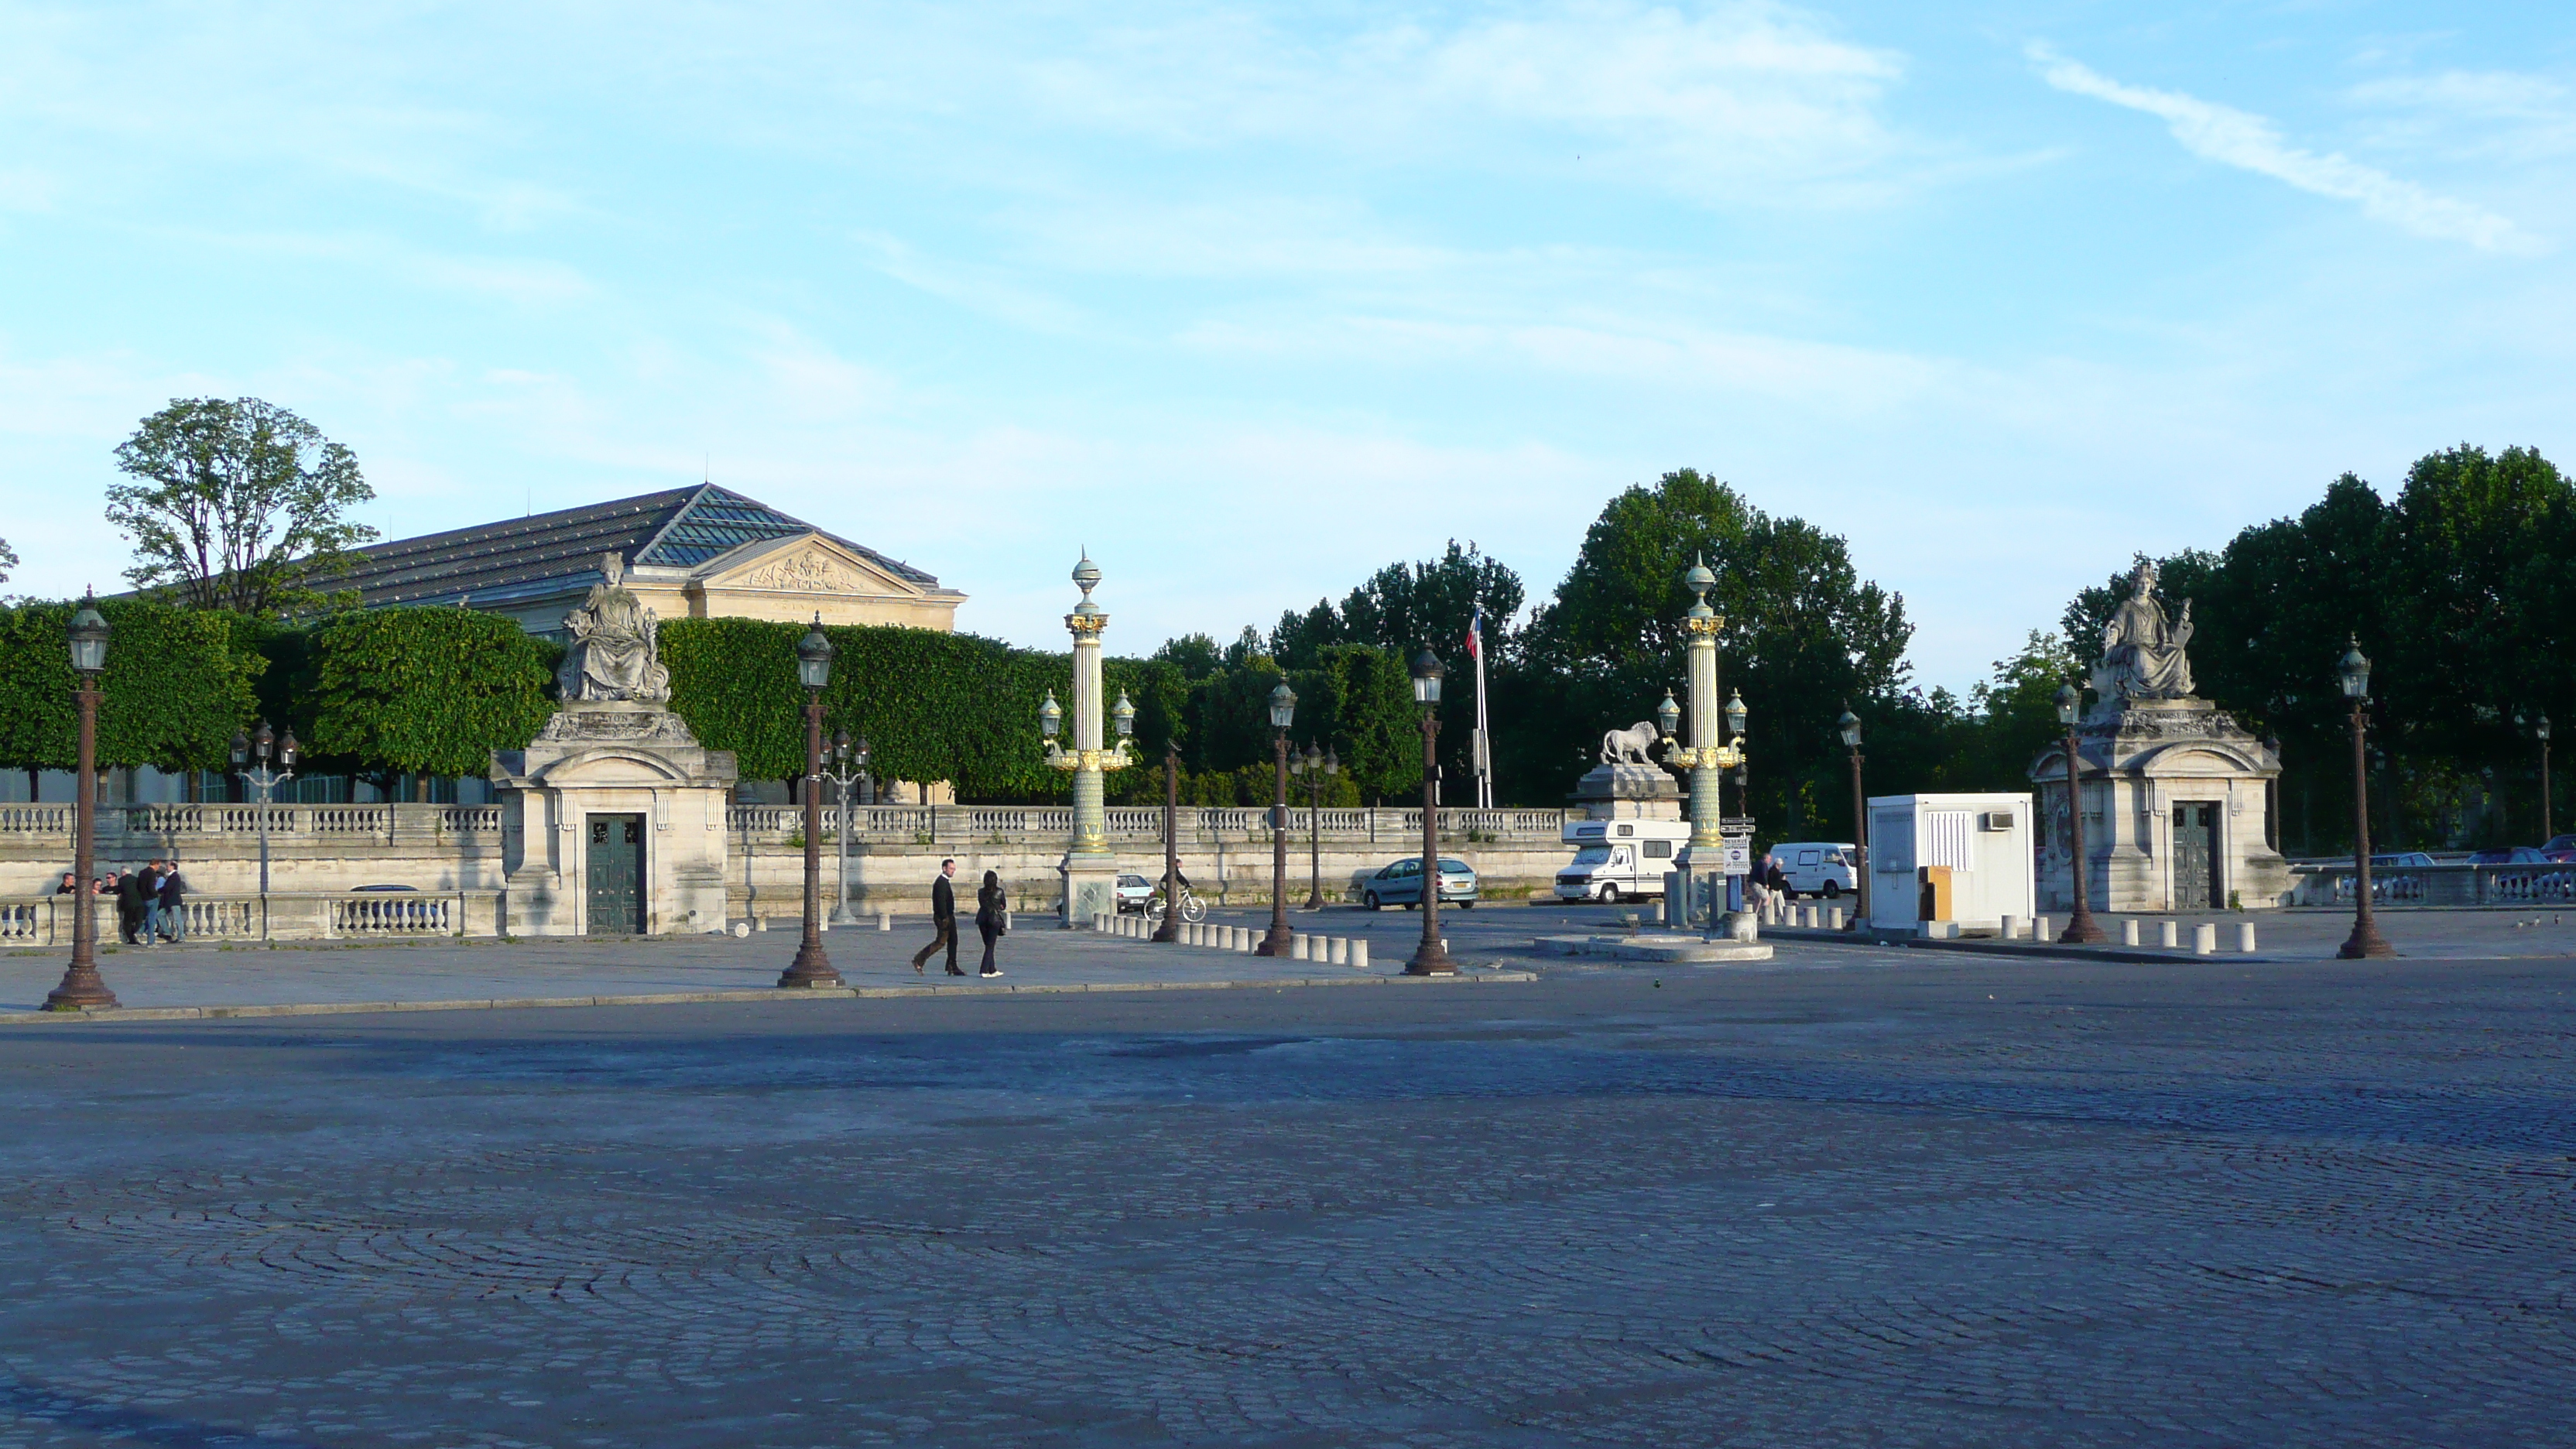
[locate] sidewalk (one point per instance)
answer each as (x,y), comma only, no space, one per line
(2300,934)
(186,982)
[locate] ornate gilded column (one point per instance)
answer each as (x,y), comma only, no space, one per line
(1708,756)
(1090,871)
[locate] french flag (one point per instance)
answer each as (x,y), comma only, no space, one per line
(1476,634)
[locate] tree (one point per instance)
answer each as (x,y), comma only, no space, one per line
(426,692)
(8,560)
(1403,607)
(239,503)
(178,683)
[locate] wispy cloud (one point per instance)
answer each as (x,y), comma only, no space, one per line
(2242,139)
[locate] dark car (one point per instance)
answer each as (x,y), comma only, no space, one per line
(2509,855)
(2560,849)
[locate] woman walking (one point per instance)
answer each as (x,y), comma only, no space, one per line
(992,918)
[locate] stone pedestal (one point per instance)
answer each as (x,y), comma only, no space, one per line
(1629,792)
(1090,889)
(613,821)
(2175,811)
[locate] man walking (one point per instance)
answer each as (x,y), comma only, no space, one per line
(943,919)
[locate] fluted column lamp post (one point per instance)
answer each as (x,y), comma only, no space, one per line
(1708,756)
(1431,958)
(813,670)
(1090,871)
(1283,713)
(2353,673)
(81,988)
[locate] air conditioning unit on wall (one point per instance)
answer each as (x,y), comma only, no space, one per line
(1995,820)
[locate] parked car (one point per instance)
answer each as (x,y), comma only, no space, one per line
(1134,893)
(2400,860)
(2508,855)
(1817,867)
(2560,849)
(1400,884)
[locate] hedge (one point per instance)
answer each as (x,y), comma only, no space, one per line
(178,683)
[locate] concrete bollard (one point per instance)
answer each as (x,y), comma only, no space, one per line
(2204,939)
(1834,919)
(1339,950)
(2008,928)
(1234,938)
(2042,929)
(885,920)
(1359,952)
(1297,947)
(2245,937)
(2129,933)
(1252,939)
(2169,935)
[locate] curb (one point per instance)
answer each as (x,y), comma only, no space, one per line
(693,998)
(2051,950)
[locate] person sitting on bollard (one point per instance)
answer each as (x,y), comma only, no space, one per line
(992,912)
(943,919)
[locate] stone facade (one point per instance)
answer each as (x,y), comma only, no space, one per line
(613,822)
(1628,792)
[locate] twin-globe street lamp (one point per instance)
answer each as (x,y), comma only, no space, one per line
(1431,958)
(81,988)
(849,766)
(260,747)
(1283,713)
(813,670)
(1315,766)
(2540,731)
(2352,672)
(2080,927)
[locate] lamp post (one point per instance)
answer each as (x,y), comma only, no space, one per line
(2080,927)
(259,747)
(81,988)
(2540,731)
(2353,673)
(1707,757)
(1315,765)
(813,670)
(1170,929)
(850,766)
(1283,713)
(1090,871)
(1849,727)
(1431,958)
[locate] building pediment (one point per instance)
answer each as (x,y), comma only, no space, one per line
(810,564)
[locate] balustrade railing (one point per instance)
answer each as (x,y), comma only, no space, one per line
(1039,824)
(2438,885)
(46,921)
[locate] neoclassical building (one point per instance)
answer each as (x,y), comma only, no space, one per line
(690,553)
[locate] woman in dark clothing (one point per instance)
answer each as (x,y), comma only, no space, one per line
(992,913)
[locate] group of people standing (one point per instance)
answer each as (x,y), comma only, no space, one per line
(151,903)
(992,919)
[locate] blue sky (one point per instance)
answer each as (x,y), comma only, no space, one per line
(1254,300)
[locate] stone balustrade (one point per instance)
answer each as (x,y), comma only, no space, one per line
(2447,884)
(46,921)
(1042,824)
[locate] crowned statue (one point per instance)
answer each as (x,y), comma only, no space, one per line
(2142,652)
(614,653)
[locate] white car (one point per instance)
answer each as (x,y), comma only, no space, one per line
(1818,867)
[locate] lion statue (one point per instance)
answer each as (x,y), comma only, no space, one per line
(1629,746)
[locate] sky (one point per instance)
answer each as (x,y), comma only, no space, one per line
(1252,300)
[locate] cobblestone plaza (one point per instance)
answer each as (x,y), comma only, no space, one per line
(1926,1201)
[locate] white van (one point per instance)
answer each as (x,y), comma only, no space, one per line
(1619,860)
(1818,868)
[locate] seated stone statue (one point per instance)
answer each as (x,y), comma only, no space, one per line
(2142,654)
(615,652)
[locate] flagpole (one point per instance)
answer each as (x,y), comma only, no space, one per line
(1484,734)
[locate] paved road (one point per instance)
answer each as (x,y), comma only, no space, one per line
(1917,1200)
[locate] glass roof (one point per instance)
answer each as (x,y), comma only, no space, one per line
(718,521)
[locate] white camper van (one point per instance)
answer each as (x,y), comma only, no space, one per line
(1619,860)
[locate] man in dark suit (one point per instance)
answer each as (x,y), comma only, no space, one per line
(943,919)
(129,905)
(174,908)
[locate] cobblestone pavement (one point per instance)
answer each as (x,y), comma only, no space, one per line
(1933,1202)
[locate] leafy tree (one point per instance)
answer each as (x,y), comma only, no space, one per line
(1195,655)
(1403,607)
(178,683)
(8,560)
(426,691)
(238,503)
(1805,633)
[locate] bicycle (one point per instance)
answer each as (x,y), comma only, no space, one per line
(1193,910)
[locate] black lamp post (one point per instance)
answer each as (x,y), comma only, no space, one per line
(1315,765)
(813,670)
(260,777)
(1735,717)
(1170,929)
(81,988)
(1283,713)
(2080,927)
(1432,957)
(2540,731)
(2353,673)
(1849,727)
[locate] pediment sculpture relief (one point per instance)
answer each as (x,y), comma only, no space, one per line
(810,571)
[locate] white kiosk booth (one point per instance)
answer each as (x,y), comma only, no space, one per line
(1959,858)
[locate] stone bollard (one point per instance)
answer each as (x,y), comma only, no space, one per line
(2129,932)
(1338,950)
(1234,939)
(2169,935)
(2042,929)
(2008,928)
(2245,937)
(885,920)
(1297,947)
(1834,919)
(1359,952)
(1252,939)
(2204,939)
